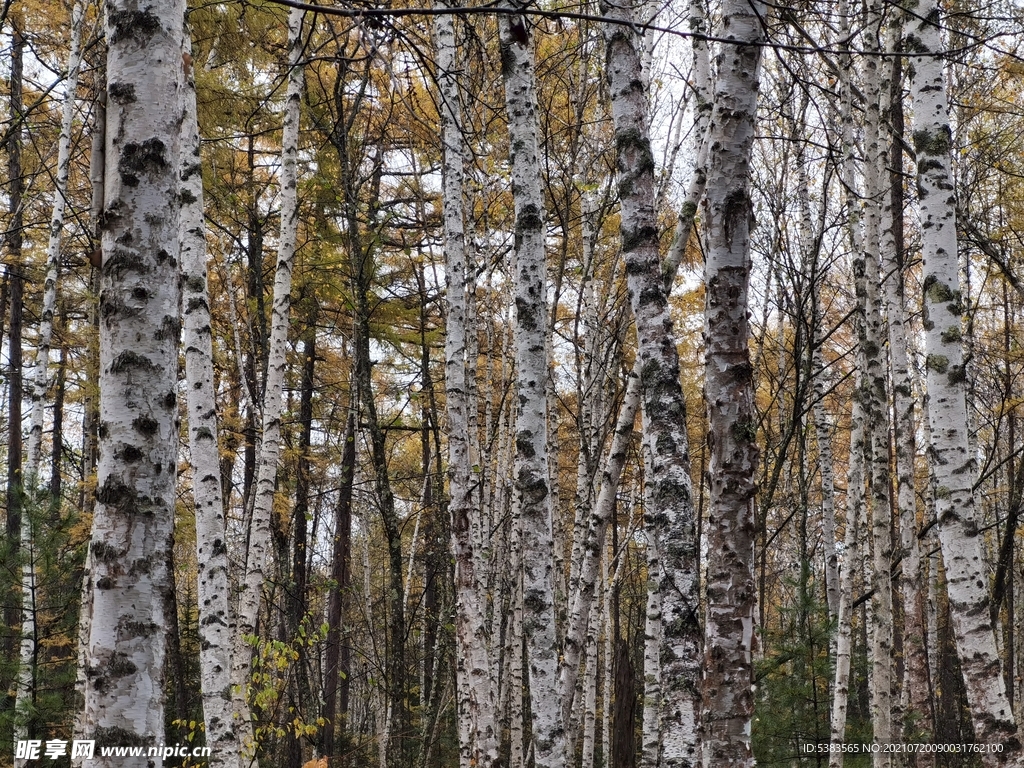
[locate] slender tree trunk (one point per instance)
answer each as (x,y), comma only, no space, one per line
(478,738)
(917,724)
(851,559)
(875,396)
(953,463)
(19,518)
(216,625)
(133,521)
(668,504)
(337,667)
(40,374)
(259,553)
(728,677)
(531,461)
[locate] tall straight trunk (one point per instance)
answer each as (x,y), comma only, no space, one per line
(874,387)
(259,551)
(19,537)
(337,666)
(729,637)
(40,376)
(917,724)
(851,559)
(301,697)
(133,522)
(859,446)
(953,463)
(90,438)
(216,624)
(478,738)
(531,480)
(669,519)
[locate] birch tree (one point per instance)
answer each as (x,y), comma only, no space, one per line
(729,633)
(531,457)
(213,597)
(476,704)
(139,302)
(258,552)
(953,463)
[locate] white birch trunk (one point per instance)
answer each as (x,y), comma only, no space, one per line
(139,302)
(651,725)
(953,464)
(40,375)
(875,387)
(669,517)
(216,627)
(39,384)
(857,466)
(531,461)
(590,692)
(729,636)
(851,560)
(259,550)
(915,706)
(476,705)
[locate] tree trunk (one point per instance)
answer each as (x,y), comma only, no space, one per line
(259,554)
(216,625)
(531,459)
(336,665)
(874,392)
(669,520)
(953,463)
(478,739)
(729,637)
(133,521)
(20,549)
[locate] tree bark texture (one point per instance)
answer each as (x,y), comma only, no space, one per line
(478,739)
(531,454)
(953,463)
(216,623)
(138,424)
(259,550)
(668,505)
(729,635)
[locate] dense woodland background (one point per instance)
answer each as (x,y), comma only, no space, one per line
(354,655)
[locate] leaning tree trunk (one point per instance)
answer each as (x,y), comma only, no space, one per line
(259,550)
(669,514)
(729,637)
(478,739)
(213,597)
(133,521)
(531,461)
(953,463)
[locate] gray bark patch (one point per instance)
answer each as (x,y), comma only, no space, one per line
(133,24)
(137,159)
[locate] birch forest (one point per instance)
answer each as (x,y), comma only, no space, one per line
(530,384)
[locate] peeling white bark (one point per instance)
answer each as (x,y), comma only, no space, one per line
(669,517)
